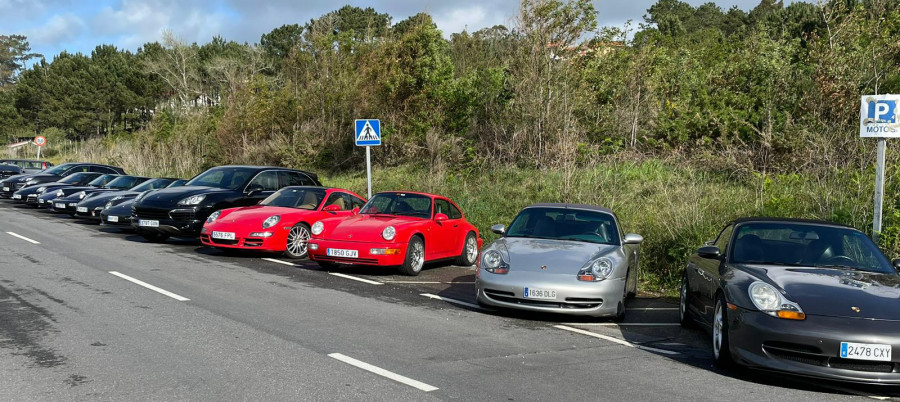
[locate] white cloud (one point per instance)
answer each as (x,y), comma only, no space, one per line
(134,23)
(61,28)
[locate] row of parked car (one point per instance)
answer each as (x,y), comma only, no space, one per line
(808,297)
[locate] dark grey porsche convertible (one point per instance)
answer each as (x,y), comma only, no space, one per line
(810,298)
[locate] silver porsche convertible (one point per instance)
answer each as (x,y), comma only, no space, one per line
(560,258)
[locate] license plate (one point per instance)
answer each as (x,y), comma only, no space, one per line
(336,252)
(866,351)
(17,196)
(112,218)
(5,188)
(223,235)
(148,223)
(81,209)
(60,205)
(535,293)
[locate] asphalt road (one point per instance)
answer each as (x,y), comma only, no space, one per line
(74,325)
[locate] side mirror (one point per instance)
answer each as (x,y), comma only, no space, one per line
(440,217)
(355,211)
(331,208)
(253,189)
(498,229)
(896,263)
(632,238)
(709,252)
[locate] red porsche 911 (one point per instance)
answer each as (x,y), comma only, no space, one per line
(281,222)
(397,229)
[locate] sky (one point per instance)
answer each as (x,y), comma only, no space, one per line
(79,26)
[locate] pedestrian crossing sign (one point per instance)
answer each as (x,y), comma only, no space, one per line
(368,132)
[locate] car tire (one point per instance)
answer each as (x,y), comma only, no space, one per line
(469,251)
(683,314)
(415,257)
(297,241)
(155,237)
(720,346)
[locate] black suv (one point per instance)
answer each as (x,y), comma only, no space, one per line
(15,183)
(181,211)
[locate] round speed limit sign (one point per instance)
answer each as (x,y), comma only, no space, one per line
(40,141)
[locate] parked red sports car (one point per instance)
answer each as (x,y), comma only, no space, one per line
(397,229)
(280,222)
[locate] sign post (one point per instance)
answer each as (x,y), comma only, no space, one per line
(879,118)
(368,134)
(40,141)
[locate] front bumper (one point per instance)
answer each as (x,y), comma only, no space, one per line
(7,189)
(180,222)
(242,240)
(811,347)
(63,206)
(318,251)
(114,219)
(573,297)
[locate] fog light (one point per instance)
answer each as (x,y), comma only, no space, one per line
(313,246)
(384,251)
(261,234)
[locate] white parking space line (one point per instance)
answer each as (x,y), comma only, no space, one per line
(624,324)
(149,286)
(355,278)
(615,340)
(653,309)
(449,300)
(291,264)
(431,282)
(382,372)
(23,238)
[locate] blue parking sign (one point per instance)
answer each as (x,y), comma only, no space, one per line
(368,132)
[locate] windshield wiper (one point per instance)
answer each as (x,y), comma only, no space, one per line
(839,266)
(787,264)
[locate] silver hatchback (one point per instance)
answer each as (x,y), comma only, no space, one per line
(560,258)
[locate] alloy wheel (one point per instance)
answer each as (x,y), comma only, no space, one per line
(297,240)
(718,326)
(471,248)
(417,256)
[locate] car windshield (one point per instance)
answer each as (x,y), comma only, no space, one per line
(233,178)
(151,184)
(177,183)
(302,198)
(124,182)
(75,178)
(103,180)
(403,204)
(802,244)
(565,224)
(59,169)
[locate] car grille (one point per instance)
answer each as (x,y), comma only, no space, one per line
(182,215)
(813,356)
(369,261)
(253,242)
(151,214)
(570,302)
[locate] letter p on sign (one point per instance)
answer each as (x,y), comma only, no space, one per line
(883,111)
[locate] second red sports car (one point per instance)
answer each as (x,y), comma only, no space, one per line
(281,222)
(397,229)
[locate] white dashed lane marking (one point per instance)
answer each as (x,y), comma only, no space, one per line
(382,372)
(149,286)
(23,238)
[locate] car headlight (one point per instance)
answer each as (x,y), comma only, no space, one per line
(389,233)
(492,261)
(60,193)
(770,301)
(596,270)
(192,200)
(81,195)
(108,205)
(271,221)
(41,189)
(213,216)
(317,228)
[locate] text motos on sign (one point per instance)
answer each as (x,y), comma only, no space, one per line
(879,116)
